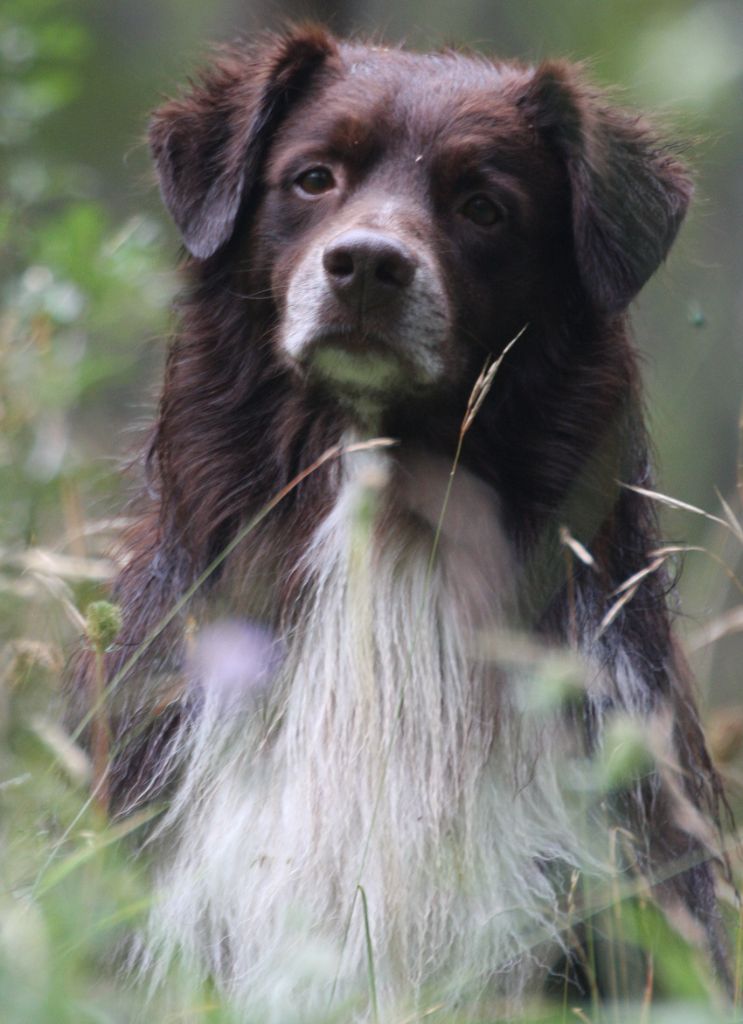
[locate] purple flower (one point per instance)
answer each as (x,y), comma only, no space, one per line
(232,660)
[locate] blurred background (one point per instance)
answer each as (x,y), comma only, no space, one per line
(86,282)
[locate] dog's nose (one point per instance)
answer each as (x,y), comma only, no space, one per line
(367,265)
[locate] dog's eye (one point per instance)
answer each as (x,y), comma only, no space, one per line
(315,181)
(482,211)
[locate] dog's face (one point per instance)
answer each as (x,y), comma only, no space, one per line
(404,215)
(405,224)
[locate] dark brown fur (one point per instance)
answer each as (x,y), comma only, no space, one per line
(593,201)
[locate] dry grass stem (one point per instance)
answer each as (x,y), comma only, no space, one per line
(735,524)
(647,996)
(676,503)
(581,553)
(638,577)
(484,382)
(716,629)
(65,567)
(628,590)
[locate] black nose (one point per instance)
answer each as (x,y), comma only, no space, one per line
(367,266)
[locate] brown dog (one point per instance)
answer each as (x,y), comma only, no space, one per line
(367,227)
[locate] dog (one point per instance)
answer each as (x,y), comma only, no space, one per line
(401,439)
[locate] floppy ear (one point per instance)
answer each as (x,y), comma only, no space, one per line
(629,193)
(208,144)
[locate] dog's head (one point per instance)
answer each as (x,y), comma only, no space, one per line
(405,214)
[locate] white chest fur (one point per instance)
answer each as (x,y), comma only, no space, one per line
(385,756)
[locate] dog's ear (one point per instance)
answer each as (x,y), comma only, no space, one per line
(629,192)
(207,145)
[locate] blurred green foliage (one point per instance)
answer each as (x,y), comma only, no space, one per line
(76,284)
(80,288)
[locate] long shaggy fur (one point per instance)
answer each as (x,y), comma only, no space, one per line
(357,766)
(386,755)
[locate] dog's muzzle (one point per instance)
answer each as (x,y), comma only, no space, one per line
(367,315)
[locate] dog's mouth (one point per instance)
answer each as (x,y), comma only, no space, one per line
(366,366)
(364,374)
(367,362)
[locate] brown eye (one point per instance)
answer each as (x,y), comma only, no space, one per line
(482,211)
(315,181)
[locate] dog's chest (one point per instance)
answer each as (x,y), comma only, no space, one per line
(384,755)
(403,576)
(411,538)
